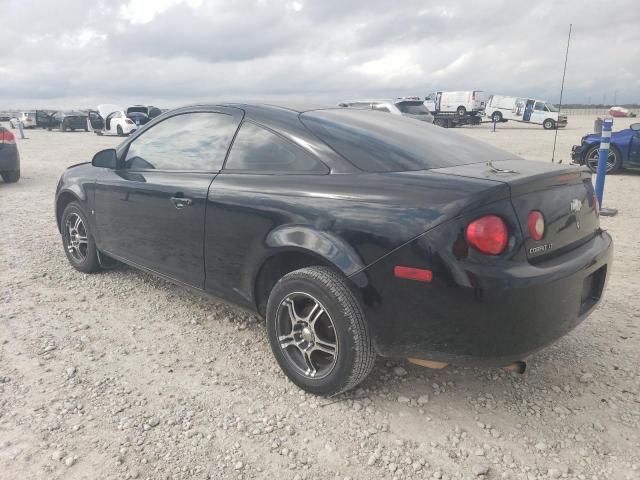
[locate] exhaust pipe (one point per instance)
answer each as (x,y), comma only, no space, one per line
(516,367)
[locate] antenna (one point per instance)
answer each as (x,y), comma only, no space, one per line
(564,73)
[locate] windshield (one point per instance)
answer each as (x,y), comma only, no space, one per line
(412,108)
(551,107)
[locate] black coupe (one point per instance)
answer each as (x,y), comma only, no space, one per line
(352,233)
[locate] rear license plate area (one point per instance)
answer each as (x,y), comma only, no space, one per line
(592,287)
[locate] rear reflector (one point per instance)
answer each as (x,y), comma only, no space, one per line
(488,235)
(535,222)
(410,273)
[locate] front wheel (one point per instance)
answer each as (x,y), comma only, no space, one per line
(548,124)
(318,332)
(614,161)
(461,111)
(77,239)
(496,117)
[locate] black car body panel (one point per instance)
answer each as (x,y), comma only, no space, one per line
(478,308)
(9,155)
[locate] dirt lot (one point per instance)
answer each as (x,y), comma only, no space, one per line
(120,375)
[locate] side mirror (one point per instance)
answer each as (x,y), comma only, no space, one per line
(105,159)
(635,127)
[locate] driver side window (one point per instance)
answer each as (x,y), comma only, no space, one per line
(188,142)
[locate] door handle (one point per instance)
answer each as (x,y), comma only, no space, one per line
(181,202)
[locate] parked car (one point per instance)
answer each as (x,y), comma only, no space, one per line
(5,117)
(624,150)
(501,108)
(9,156)
(28,120)
(70,120)
(468,102)
(406,107)
(110,120)
(621,112)
(353,233)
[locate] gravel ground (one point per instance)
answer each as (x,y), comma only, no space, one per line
(121,375)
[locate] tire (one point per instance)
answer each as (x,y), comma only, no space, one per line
(439,122)
(461,111)
(339,352)
(614,161)
(86,129)
(63,128)
(496,117)
(11,176)
(119,130)
(83,256)
(549,124)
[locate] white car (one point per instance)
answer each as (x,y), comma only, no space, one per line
(28,120)
(501,108)
(111,120)
(411,107)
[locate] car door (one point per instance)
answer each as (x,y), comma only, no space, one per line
(247,200)
(95,120)
(150,210)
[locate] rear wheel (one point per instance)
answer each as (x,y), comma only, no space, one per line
(461,111)
(548,124)
(614,160)
(77,239)
(496,117)
(62,127)
(318,332)
(11,176)
(119,130)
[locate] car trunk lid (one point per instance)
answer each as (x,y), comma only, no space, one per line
(563,194)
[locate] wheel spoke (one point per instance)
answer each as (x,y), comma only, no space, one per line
(325,346)
(81,239)
(77,223)
(287,341)
(293,315)
(315,313)
(311,369)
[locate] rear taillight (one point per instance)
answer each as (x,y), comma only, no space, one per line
(596,204)
(488,235)
(535,222)
(7,137)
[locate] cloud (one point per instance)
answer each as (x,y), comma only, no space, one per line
(169,52)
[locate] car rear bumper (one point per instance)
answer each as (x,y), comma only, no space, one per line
(484,317)
(9,158)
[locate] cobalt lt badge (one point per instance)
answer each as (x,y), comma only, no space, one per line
(575,206)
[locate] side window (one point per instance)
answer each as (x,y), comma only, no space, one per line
(259,150)
(539,107)
(191,141)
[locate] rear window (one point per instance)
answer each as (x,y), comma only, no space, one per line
(389,143)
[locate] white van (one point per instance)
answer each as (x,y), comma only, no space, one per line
(522,109)
(471,102)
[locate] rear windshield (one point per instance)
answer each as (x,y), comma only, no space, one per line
(389,143)
(412,108)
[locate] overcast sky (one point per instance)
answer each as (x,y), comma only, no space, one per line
(67,53)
